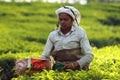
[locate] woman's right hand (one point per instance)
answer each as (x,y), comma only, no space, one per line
(73,66)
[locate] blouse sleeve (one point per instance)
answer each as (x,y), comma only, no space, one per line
(47,49)
(86,50)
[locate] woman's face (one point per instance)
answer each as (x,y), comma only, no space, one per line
(65,20)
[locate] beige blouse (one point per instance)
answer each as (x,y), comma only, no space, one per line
(76,38)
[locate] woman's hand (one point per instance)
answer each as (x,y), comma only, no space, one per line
(73,66)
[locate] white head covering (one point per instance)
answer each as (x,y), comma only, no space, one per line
(73,12)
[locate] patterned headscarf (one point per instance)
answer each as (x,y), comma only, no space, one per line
(73,12)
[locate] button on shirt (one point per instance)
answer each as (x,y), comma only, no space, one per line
(76,38)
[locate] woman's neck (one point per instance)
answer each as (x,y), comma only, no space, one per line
(66,30)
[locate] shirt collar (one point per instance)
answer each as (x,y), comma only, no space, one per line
(72,29)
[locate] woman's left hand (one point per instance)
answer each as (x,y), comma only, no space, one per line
(72,66)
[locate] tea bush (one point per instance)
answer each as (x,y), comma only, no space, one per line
(24,28)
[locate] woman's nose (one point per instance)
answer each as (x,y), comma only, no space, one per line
(62,21)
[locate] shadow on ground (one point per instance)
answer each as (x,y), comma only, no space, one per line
(110,20)
(99,43)
(41,40)
(105,42)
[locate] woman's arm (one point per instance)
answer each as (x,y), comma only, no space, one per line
(48,48)
(86,50)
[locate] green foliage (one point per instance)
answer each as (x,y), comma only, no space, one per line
(24,28)
(105,65)
(7,64)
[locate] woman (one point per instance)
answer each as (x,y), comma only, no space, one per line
(68,44)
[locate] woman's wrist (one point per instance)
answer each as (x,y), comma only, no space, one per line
(76,64)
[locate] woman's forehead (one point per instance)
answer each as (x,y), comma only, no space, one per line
(64,15)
